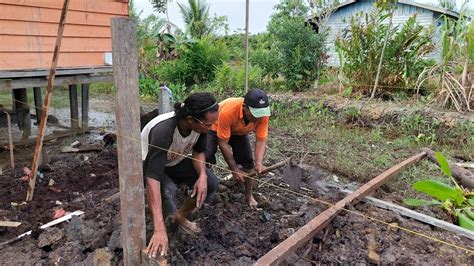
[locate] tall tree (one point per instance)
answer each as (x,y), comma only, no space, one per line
(196,17)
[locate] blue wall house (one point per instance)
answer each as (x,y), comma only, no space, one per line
(427,16)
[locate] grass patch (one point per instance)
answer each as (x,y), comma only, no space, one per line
(361,153)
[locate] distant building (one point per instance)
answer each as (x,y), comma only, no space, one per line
(427,16)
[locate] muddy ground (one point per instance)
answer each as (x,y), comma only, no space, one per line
(232,233)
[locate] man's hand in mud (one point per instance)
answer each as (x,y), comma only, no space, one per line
(200,190)
(239,175)
(158,244)
(259,168)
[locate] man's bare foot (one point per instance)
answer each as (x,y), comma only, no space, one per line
(252,202)
(189,227)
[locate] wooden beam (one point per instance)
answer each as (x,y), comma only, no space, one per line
(74,106)
(47,102)
(55,135)
(9,224)
(38,103)
(417,216)
(127,116)
(85,106)
(31,73)
(305,233)
(7,84)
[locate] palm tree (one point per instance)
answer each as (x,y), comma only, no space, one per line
(196,17)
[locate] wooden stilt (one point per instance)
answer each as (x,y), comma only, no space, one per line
(85,107)
(38,103)
(74,106)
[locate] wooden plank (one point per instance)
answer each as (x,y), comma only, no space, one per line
(38,103)
(305,233)
(74,106)
(59,72)
(25,13)
(29,28)
(44,226)
(85,106)
(47,103)
(416,215)
(9,224)
(90,6)
(12,44)
(127,114)
(9,61)
(54,136)
(60,81)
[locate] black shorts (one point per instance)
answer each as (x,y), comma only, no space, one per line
(183,173)
(241,149)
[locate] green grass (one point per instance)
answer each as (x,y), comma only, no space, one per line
(361,153)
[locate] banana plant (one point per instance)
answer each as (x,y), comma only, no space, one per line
(456,201)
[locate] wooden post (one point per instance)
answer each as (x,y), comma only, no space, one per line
(38,103)
(74,106)
(246,51)
(47,103)
(305,233)
(10,143)
(85,106)
(127,115)
(22,112)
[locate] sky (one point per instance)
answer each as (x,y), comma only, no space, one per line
(234,10)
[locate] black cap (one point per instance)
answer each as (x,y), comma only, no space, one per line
(257,101)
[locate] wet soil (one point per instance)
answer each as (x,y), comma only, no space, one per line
(231,232)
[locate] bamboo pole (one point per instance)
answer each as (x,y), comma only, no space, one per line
(247,45)
(47,103)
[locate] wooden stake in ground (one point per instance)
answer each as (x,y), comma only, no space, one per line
(308,231)
(127,115)
(47,102)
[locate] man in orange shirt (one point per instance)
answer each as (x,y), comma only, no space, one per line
(237,118)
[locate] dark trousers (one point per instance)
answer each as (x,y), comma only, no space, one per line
(241,149)
(183,173)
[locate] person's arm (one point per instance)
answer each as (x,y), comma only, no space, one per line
(261,134)
(154,171)
(159,240)
(260,146)
(200,187)
(229,158)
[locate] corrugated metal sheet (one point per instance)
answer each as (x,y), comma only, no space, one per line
(28,30)
(340,20)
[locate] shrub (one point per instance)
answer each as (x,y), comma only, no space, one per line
(230,79)
(196,63)
(299,49)
(361,44)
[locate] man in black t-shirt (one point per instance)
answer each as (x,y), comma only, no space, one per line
(173,147)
